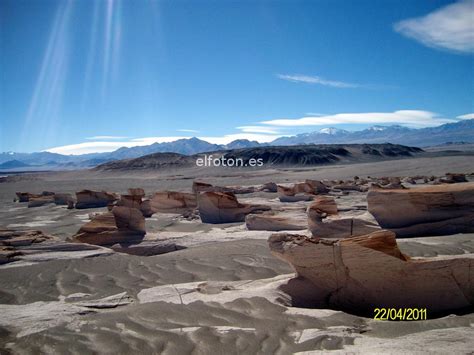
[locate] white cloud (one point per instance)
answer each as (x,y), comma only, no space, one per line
(415,118)
(188,130)
(262,138)
(467,116)
(450,27)
(105,137)
(87,147)
(103,147)
(151,140)
(259,129)
(298,78)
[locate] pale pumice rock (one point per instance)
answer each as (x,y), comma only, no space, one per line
(295,193)
(361,273)
(172,201)
(324,221)
(423,211)
(122,225)
(325,204)
(135,199)
(223,207)
(274,222)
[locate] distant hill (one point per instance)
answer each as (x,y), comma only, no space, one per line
(302,155)
(13,164)
(151,161)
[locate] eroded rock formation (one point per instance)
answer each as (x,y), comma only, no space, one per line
(324,221)
(40,200)
(199,186)
(223,207)
(94,199)
(172,201)
(423,211)
(295,193)
(274,222)
(361,273)
(324,204)
(63,199)
(122,225)
(11,242)
(318,187)
(269,187)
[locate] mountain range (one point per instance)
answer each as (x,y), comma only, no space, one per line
(461,131)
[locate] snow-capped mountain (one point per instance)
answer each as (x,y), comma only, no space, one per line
(462,131)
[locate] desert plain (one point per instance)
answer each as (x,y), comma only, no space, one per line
(214,288)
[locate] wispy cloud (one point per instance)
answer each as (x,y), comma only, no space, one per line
(415,118)
(298,78)
(259,129)
(110,146)
(105,137)
(467,116)
(188,130)
(262,138)
(450,27)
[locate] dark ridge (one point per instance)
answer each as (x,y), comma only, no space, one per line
(151,161)
(301,155)
(295,155)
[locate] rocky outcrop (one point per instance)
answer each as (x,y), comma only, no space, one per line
(269,187)
(63,199)
(274,222)
(136,191)
(132,201)
(223,207)
(389,183)
(423,211)
(94,199)
(145,208)
(172,201)
(25,196)
(129,219)
(15,238)
(360,273)
(318,187)
(298,192)
(324,204)
(350,186)
(12,241)
(199,186)
(452,178)
(40,201)
(324,221)
(122,225)
(147,248)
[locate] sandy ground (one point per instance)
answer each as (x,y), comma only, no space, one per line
(219,295)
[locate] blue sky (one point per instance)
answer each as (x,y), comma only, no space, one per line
(84,76)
